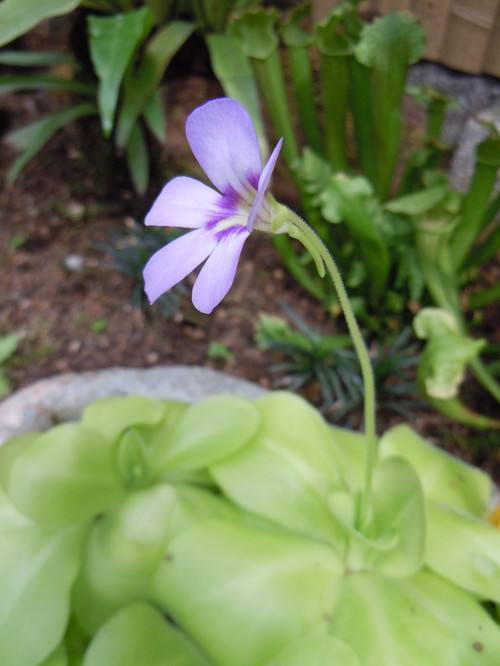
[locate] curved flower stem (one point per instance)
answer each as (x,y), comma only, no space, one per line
(303,232)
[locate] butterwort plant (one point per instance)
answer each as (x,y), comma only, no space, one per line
(224,141)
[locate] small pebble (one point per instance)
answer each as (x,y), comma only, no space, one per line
(74,262)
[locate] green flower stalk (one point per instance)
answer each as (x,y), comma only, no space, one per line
(224,141)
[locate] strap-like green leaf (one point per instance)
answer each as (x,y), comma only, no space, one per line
(19,16)
(34,58)
(138,159)
(141,84)
(113,41)
(10,84)
(8,346)
(32,138)
(155,117)
(232,68)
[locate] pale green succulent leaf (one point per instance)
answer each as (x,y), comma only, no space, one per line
(139,634)
(316,651)
(417,620)
(287,472)
(445,479)
(474,563)
(37,571)
(65,476)
(230,586)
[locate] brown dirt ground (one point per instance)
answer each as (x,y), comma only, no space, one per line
(70,199)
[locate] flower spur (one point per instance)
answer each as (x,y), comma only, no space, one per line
(222,137)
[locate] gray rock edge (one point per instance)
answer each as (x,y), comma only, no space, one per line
(63,397)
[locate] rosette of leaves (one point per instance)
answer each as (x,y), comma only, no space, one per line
(226,533)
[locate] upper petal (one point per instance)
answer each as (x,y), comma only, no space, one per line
(264,180)
(217,275)
(173,262)
(223,139)
(185,202)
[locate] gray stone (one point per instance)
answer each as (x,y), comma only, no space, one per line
(62,398)
(472,93)
(462,166)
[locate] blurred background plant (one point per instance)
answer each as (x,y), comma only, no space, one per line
(8,347)
(325,366)
(130,48)
(402,236)
(128,250)
(334,89)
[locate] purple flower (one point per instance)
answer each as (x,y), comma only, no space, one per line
(223,140)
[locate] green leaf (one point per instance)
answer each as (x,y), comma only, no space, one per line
(388,46)
(446,354)
(351,200)
(19,16)
(139,634)
(57,658)
(232,67)
(5,386)
(37,571)
(155,117)
(138,159)
(208,432)
(417,620)
(218,350)
(445,479)
(397,525)
(34,58)
(256,31)
(15,83)
(316,651)
(161,9)
(8,346)
(418,203)
(286,473)
(142,84)
(474,563)
(31,138)
(292,32)
(395,36)
(231,586)
(67,475)
(126,547)
(113,41)
(111,416)
(9,450)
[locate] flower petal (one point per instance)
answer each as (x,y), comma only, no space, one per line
(185,202)
(173,262)
(222,137)
(217,275)
(264,180)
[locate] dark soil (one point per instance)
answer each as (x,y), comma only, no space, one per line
(73,199)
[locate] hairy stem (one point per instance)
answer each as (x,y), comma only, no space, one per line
(313,241)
